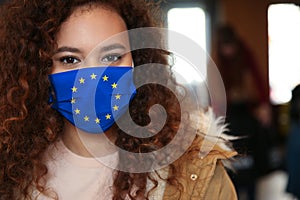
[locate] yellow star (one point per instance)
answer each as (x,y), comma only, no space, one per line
(108,116)
(81,80)
(105,78)
(97,120)
(116,107)
(114,85)
(73,100)
(93,76)
(118,96)
(74,89)
(77,111)
(86,118)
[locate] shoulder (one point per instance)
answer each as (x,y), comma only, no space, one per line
(205,177)
(202,166)
(211,143)
(220,185)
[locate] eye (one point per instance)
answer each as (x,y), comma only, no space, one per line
(111,58)
(69,60)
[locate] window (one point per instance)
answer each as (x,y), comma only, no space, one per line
(284,50)
(191,22)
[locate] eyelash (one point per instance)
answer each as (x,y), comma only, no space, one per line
(66,59)
(111,58)
(107,59)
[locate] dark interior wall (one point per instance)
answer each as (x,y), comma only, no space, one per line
(249,18)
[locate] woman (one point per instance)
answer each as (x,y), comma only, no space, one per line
(47,152)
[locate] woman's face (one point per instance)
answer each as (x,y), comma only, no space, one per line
(84,30)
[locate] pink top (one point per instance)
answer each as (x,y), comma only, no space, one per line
(75,177)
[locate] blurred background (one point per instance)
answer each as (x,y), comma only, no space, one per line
(256,46)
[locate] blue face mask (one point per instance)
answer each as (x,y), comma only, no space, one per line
(92,99)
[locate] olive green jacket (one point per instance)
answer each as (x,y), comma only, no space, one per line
(203,179)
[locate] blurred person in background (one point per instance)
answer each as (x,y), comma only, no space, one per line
(293,150)
(248,108)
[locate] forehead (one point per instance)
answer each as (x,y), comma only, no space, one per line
(87,27)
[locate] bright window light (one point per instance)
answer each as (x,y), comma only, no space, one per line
(284,48)
(191,23)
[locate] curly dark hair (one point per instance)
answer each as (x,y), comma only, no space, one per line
(28,124)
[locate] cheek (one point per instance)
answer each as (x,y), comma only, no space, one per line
(54,69)
(128,59)
(125,61)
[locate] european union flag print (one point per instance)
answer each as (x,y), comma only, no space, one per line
(93,98)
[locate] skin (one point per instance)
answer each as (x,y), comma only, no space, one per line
(78,46)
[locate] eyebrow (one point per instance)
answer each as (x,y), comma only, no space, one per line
(69,49)
(102,49)
(112,47)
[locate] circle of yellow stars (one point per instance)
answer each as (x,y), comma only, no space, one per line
(93,76)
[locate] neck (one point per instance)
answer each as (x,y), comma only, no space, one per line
(87,144)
